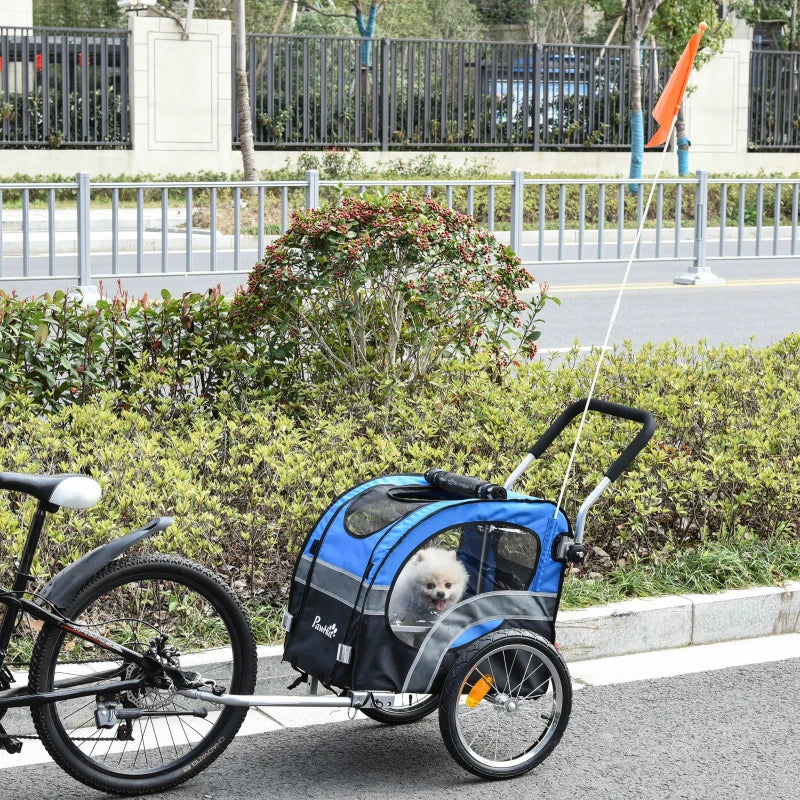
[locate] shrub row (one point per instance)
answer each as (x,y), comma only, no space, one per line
(364,292)
(55,351)
(349,165)
(246,485)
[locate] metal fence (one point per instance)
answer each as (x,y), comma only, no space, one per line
(774,122)
(63,88)
(408,93)
(70,88)
(63,233)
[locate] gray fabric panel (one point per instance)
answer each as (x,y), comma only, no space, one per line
(483,607)
(340,584)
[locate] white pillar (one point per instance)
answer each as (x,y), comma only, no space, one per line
(16,13)
(717,109)
(181,89)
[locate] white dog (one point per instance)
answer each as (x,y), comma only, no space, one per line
(433,581)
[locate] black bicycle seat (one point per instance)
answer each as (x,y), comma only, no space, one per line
(77,491)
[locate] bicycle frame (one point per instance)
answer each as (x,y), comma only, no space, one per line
(15,603)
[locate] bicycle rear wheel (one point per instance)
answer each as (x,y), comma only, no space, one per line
(134,601)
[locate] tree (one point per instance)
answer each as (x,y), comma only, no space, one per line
(542,20)
(77,14)
(243,96)
(778,17)
(640,12)
(670,23)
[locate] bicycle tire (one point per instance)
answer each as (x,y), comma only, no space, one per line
(130,601)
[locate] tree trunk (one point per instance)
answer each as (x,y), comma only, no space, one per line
(243,99)
(640,16)
(683,144)
(367,31)
(637,120)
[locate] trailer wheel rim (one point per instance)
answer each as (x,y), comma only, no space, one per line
(517,717)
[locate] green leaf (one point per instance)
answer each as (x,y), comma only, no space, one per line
(47,375)
(42,331)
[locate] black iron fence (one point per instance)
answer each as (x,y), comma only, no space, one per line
(774,122)
(406,93)
(63,88)
(70,88)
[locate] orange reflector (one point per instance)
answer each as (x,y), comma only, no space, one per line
(479,690)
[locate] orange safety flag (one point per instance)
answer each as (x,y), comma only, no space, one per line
(672,96)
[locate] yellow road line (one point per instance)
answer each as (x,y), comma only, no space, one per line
(614,287)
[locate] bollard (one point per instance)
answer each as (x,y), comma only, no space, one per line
(85,291)
(699,273)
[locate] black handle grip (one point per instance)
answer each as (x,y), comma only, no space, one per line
(644,418)
(464,486)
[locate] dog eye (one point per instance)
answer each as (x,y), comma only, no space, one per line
(448,585)
(431,585)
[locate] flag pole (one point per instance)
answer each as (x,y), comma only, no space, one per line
(614,314)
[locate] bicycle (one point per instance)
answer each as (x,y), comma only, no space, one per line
(122,635)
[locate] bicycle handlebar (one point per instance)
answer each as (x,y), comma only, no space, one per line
(644,418)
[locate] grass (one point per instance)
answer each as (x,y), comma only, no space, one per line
(710,567)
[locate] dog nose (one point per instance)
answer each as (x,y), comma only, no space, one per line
(440,595)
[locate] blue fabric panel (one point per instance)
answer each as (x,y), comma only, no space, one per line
(548,574)
(337,530)
(471,634)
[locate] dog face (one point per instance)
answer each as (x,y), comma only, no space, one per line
(438,578)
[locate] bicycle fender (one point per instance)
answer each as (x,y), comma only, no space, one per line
(63,587)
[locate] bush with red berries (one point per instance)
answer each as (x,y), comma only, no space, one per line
(384,287)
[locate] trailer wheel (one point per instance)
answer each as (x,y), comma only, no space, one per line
(505,703)
(413,708)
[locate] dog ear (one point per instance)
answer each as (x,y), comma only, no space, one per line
(420,555)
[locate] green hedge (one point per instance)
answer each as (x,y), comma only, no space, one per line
(54,351)
(246,485)
(349,165)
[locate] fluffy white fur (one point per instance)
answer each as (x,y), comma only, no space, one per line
(433,581)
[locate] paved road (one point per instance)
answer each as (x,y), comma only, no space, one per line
(760,301)
(732,734)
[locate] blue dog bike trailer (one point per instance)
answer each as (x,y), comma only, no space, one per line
(487,650)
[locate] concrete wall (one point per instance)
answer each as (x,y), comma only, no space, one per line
(181,119)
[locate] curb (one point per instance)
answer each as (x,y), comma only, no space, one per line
(617,629)
(659,623)
(639,625)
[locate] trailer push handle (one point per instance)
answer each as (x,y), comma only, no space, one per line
(644,418)
(623,461)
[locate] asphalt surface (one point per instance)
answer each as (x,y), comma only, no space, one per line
(723,735)
(758,304)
